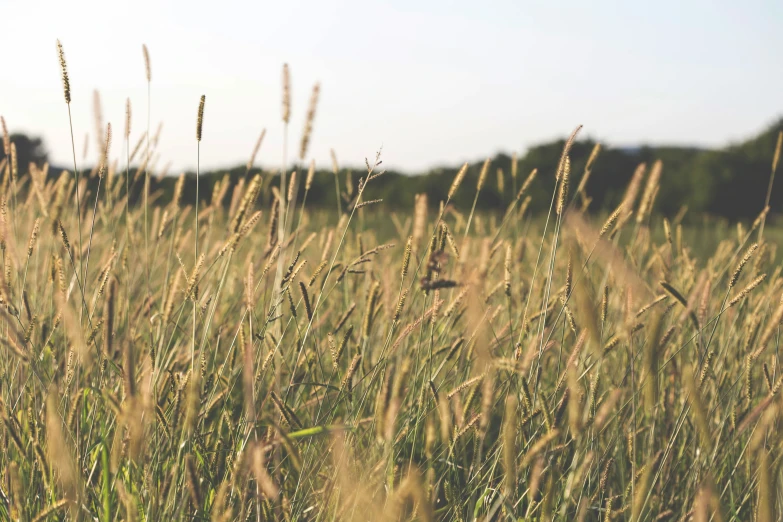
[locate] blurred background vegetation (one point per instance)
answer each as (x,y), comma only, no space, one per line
(730,182)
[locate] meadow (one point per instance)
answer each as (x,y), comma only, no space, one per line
(251,358)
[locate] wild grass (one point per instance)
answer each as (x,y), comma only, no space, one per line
(331,367)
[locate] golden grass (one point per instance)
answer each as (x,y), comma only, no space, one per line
(336,368)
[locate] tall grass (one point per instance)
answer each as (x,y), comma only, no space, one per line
(559,367)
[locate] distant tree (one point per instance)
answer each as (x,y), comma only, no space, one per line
(28,149)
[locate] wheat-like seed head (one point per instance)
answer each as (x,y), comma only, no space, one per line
(291,187)
(419,217)
(341,347)
(633,189)
(308,128)
(588,168)
(647,307)
(50,510)
(147,67)
(317,272)
(136,149)
(286,94)
(33,237)
(527,183)
(6,137)
(650,190)
(566,149)
(249,287)
(256,148)
(335,165)
(450,240)
(457,181)
(745,291)
(14,163)
(310,175)
(156,136)
(179,186)
(306,299)
(63,235)
(192,289)
(372,299)
(759,218)
(246,203)
(611,220)
(250,223)
(347,383)
(64,72)
(97,113)
(86,147)
(738,271)
(105,156)
(561,200)
(274,216)
(400,305)
(406,258)
(483,174)
(3,224)
(127,118)
(200,118)
(667,231)
(604,304)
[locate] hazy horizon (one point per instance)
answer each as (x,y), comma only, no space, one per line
(433,84)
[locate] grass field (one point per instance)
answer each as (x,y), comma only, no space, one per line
(254,359)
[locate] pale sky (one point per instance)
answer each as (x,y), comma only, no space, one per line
(433,82)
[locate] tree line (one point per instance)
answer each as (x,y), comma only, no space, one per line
(729,182)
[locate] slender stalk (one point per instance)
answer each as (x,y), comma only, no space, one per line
(147,194)
(127,227)
(92,227)
(78,199)
(199,128)
(281,227)
(102,169)
(195,255)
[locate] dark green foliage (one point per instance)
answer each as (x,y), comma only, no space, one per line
(729,182)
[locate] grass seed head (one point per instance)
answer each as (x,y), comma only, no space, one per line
(64,73)
(200,118)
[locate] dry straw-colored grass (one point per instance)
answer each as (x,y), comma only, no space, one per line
(313,366)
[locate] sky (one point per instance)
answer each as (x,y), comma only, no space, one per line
(432,82)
